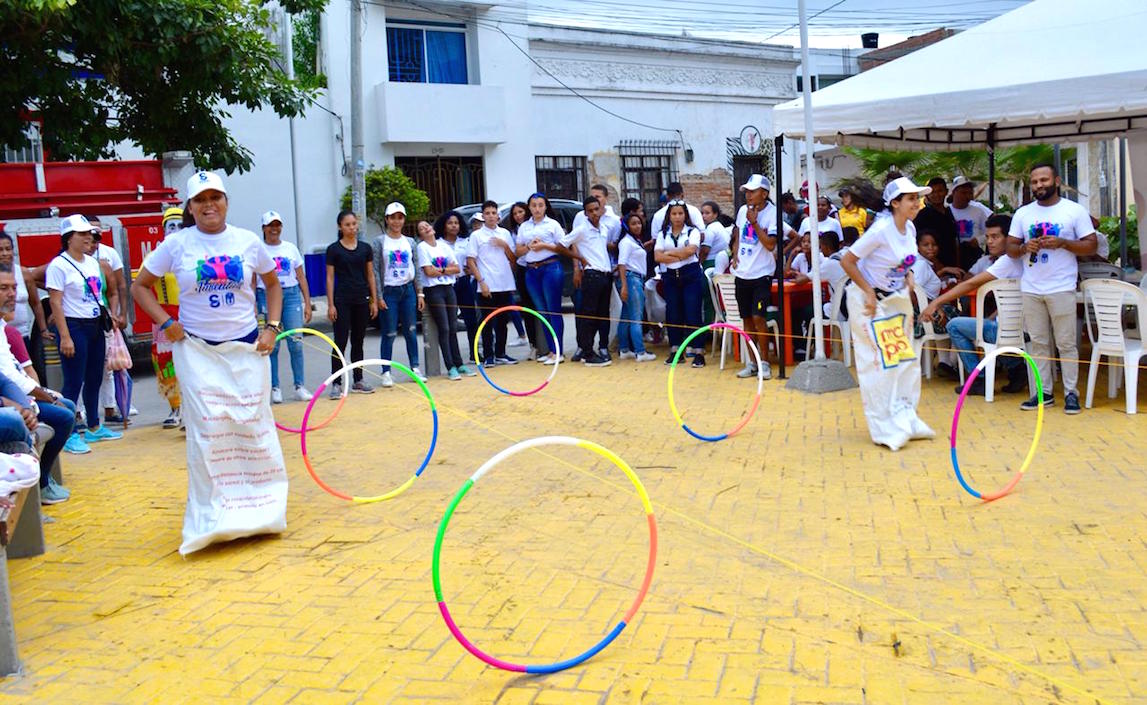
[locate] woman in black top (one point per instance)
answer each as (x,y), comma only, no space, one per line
(351,302)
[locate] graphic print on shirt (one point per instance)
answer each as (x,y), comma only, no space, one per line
(901,270)
(440,262)
(749,239)
(282,265)
(399,262)
(92,292)
(1037,230)
(219,273)
(965,229)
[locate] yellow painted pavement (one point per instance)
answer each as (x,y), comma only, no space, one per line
(798,562)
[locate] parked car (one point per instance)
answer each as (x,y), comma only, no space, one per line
(565,210)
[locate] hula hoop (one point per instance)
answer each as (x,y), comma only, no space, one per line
(553,337)
(342,399)
(990,358)
(425,461)
(613,634)
(760,382)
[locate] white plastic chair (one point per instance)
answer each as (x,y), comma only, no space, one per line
(1107,297)
(715,296)
(726,287)
(1009,323)
(834,321)
(930,334)
(1099,270)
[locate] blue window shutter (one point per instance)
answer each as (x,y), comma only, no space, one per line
(446,57)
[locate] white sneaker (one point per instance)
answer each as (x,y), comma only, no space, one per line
(747,372)
(418,373)
(626,355)
(645,357)
(276,395)
(551,359)
(132,411)
(546,359)
(387,380)
(302,393)
(766,371)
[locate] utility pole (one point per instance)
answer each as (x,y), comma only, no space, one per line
(358,183)
(290,56)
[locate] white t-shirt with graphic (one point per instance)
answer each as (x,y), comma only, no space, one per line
(439,255)
(80,283)
(886,254)
(287,259)
(396,259)
(970,222)
(753,259)
(493,266)
(1053,270)
(632,256)
(216,300)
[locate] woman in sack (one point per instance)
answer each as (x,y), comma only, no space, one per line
(75,283)
(880,314)
(237,482)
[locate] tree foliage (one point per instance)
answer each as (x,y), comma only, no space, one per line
(157,73)
(1012,163)
(385,186)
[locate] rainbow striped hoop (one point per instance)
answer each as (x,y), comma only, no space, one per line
(760,381)
(553,337)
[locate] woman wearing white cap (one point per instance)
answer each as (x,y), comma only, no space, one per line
(296,302)
(880,313)
(400,291)
(75,283)
(237,483)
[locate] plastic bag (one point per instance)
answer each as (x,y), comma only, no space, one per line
(118,356)
(236,478)
(654,304)
(887,368)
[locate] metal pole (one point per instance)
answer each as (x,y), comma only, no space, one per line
(778,187)
(992,166)
(288,30)
(358,183)
(1122,205)
(814,226)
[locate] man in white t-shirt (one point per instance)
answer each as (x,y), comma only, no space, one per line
(490,261)
(1049,234)
(587,245)
(754,263)
(962,330)
(971,216)
(612,224)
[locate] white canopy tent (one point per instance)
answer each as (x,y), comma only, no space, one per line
(1050,71)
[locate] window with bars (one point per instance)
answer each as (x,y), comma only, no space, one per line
(561,177)
(647,168)
(32,151)
(426,55)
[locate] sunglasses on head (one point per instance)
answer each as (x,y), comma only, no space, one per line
(676,202)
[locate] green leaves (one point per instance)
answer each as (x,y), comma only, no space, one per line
(385,186)
(157,73)
(1012,163)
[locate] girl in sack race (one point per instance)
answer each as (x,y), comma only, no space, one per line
(236,478)
(881,318)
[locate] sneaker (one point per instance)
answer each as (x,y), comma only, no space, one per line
(669,358)
(505,360)
(547,359)
(645,357)
(698,360)
(173,420)
(302,393)
(748,372)
(387,380)
(453,375)
(418,373)
(978,389)
(552,359)
(362,387)
(576,356)
(766,371)
(58,487)
(466,371)
(276,395)
(1033,403)
(593,360)
(132,411)
(113,417)
(76,445)
(52,495)
(604,354)
(336,391)
(1071,403)
(519,342)
(626,355)
(102,433)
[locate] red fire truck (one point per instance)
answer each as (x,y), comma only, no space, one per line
(128,196)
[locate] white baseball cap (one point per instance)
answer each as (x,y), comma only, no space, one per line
(476,217)
(75,224)
(901,186)
(961,181)
(202,181)
(395,207)
(271,216)
(756,181)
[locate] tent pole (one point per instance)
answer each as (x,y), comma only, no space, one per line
(778,145)
(1122,205)
(992,166)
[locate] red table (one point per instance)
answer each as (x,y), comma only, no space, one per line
(800,295)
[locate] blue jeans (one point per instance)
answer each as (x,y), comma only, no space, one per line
(62,420)
(632,311)
(12,427)
(684,288)
(401,309)
(292,318)
(962,332)
(85,369)
(545,286)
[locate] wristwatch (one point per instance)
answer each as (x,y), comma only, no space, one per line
(274,325)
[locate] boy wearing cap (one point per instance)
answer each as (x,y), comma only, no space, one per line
(296,302)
